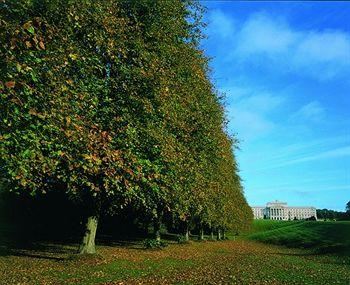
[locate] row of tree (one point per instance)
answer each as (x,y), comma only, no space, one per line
(327,214)
(111,103)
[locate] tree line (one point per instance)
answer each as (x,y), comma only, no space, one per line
(327,214)
(111,103)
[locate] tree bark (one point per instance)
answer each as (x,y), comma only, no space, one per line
(156,227)
(187,233)
(223,234)
(201,234)
(212,234)
(88,242)
(218,237)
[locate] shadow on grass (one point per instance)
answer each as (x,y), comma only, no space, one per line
(308,253)
(61,250)
(42,250)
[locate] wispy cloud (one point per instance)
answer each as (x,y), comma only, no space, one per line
(334,153)
(297,188)
(308,146)
(248,112)
(297,158)
(261,102)
(249,125)
(303,154)
(311,111)
(220,24)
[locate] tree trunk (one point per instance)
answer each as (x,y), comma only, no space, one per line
(187,233)
(88,242)
(218,237)
(212,234)
(201,234)
(156,227)
(223,234)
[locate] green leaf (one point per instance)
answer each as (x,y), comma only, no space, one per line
(27,153)
(31,30)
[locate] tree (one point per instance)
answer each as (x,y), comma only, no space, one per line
(73,116)
(111,102)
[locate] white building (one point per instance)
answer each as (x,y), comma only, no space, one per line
(280,211)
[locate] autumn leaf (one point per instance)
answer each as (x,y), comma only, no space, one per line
(10,84)
(41,44)
(69,81)
(73,56)
(105,87)
(32,112)
(27,25)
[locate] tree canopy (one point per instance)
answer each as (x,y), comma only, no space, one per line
(111,102)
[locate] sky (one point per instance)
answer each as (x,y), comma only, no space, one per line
(285,70)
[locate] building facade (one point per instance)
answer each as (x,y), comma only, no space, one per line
(281,211)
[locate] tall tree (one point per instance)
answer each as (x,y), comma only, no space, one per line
(111,101)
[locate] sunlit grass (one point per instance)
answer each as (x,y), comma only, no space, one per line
(320,236)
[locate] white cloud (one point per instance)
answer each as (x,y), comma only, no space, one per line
(248,112)
(325,46)
(220,24)
(263,35)
(262,102)
(321,55)
(248,124)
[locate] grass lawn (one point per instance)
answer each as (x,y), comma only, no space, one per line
(251,259)
(319,236)
(227,262)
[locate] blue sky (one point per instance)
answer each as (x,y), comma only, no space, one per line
(285,70)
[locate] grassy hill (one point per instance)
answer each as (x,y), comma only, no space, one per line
(321,236)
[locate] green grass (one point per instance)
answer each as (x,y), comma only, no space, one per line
(320,236)
(227,262)
(266,225)
(123,269)
(291,268)
(239,261)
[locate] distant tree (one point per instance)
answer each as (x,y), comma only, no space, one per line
(327,214)
(347,207)
(312,218)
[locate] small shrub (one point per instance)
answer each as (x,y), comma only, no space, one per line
(154,244)
(181,239)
